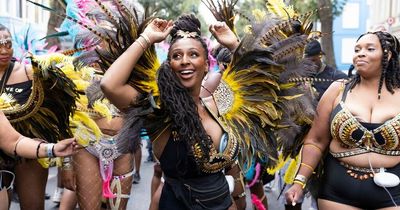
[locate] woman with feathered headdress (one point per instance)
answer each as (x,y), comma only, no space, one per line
(186,133)
(40,99)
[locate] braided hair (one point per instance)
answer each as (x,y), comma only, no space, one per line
(176,99)
(390,68)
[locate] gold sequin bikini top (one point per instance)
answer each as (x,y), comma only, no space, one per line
(367,137)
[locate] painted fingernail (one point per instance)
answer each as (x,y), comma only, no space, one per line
(293,203)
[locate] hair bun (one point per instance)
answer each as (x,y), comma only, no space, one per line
(188,23)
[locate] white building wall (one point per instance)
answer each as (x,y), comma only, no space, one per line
(23,11)
(380,13)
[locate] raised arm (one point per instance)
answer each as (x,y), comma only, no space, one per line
(227,38)
(224,35)
(114,83)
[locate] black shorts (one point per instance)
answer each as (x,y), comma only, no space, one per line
(340,187)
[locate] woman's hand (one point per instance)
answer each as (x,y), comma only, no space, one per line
(224,35)
(157,30)
(294,194)
(66,147)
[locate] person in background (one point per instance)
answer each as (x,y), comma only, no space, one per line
(44,117)
(325,76)
(326,73)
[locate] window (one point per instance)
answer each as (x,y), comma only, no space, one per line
(351,16)
(348,50)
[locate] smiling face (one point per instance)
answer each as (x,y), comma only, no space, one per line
(6,50)
(367,58)
(188,60)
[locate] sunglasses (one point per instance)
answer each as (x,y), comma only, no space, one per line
(6,43)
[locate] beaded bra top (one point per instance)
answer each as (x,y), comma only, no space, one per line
(383,139)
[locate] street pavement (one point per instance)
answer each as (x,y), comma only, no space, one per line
(140,193)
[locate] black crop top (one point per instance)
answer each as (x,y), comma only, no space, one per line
(20,91)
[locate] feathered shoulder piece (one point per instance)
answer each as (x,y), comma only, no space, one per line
(256,97)
(128,26)
(113,26)
(91,105)
(46,113)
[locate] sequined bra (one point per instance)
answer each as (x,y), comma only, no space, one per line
(366,137)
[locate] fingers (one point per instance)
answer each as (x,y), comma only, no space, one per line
(76,147)
(69,141)
(161,24)
(169,26)
(291,197)
(216,26)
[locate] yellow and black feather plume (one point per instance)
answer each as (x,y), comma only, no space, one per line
(46,113)
(223,11)
(256,97)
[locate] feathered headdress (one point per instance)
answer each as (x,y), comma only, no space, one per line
(256,97)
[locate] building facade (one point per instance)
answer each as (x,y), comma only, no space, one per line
(346,28)
(16,13)
(27,24)
(385,15)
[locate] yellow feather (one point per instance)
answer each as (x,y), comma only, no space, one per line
(44,162)
(279,8)
(247,29)
(81,85)
(291,170)
(87,73)
(258,14)
(80,132)
(279,165)
(84,127)
(7,102)
(102,109)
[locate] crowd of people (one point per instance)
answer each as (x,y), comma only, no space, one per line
(213,130)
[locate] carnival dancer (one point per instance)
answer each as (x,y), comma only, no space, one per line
(42,101)
(356,125)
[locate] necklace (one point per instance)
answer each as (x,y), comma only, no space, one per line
(5,77)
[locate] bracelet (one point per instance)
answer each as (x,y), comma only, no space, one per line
(314,146)
(67,166)
(38,148)
(303,185)
(241,195)
(16,144)
(141,44)
(146,38)
(50,150)
(307,166)
(300,178)
(263,197)
(67,159)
